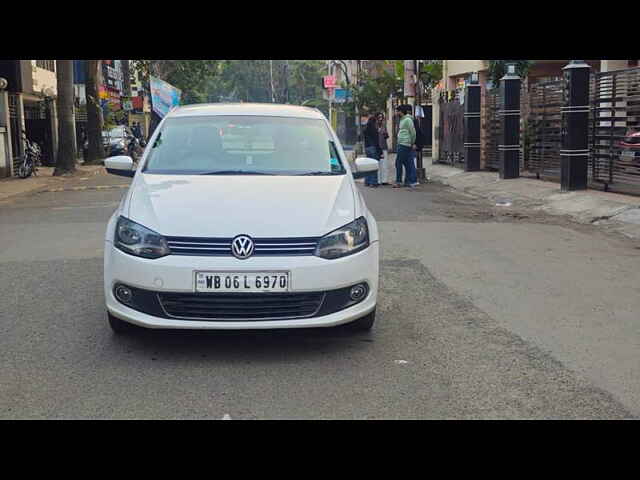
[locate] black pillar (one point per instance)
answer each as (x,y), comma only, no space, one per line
(574,155)
(472,126)
(509,142)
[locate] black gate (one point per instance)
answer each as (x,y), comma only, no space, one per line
(492,129)
(615,98)
(545,128)
(451,132)
(81,130)
(37,120)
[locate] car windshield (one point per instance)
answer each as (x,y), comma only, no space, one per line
(237,145)
(116,132)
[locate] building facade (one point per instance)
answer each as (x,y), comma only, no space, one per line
(28,106)
(456,74)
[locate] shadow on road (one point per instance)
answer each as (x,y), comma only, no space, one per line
(254,345)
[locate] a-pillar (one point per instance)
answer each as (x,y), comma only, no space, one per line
(574,155)
(472,125)
(509,143)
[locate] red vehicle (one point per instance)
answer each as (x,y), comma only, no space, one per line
(630,146)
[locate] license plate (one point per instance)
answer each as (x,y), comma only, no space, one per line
(242,281)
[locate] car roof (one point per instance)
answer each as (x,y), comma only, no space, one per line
(259,109)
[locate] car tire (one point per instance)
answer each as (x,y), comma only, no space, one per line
(363,324)
(121,327)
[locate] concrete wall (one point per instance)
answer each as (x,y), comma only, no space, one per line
(464,67)
(43,79)
(609,65)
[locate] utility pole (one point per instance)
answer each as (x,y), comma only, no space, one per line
(286,81)
(357,110)
(330,117)
(273,98)
(418,92)
(409,81)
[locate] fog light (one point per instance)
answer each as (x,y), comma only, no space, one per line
(124,294)
(358,292)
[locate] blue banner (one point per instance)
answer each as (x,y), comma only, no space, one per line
(164,96)
(341,95)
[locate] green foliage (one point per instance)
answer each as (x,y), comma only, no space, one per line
(431,73)
(190,76)
(371,93)
(296,82)
(112,118)
(498,68)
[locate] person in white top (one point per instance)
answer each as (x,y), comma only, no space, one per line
(383,173)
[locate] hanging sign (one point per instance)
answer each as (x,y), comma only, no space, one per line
(164,96)
(329,81)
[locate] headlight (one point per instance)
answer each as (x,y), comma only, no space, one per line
(344,241)
(135,239)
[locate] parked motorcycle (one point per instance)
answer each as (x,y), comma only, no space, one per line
(31,159)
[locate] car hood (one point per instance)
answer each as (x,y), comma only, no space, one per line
(226,206)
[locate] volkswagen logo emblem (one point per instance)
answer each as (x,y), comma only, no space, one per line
(242,247)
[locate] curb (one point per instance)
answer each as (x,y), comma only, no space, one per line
(94,171)
(630,229)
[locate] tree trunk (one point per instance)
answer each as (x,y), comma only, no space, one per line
(95,152)
(66,162)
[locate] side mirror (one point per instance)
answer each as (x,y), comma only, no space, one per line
(364,166)
(120,165)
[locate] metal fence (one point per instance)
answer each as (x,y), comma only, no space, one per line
(615,99)
(544,125)
(492,129)
(16,129)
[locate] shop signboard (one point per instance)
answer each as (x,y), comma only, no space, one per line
(329,81)
(342,95)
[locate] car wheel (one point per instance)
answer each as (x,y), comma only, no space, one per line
(363,324)
(120,326)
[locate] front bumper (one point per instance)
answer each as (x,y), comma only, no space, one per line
(175,274)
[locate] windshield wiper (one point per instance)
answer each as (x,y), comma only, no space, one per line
(235,172)
(319,173)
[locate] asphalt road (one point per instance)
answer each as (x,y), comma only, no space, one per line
(484,313)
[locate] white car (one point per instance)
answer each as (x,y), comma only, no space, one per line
(241,216)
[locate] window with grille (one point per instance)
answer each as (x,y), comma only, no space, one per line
(46,64)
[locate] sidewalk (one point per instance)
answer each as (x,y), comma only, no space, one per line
(13,186)
(616,211)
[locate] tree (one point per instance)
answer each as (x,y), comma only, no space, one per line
(430,75)
(498,68)
(66,160)
(95,152)
(294,81)
(372,92)
(190,76)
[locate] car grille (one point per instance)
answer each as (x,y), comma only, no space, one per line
(240,306)
(200,246)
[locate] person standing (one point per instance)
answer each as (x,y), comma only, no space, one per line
(383,153)
(406,146)
(372,149)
